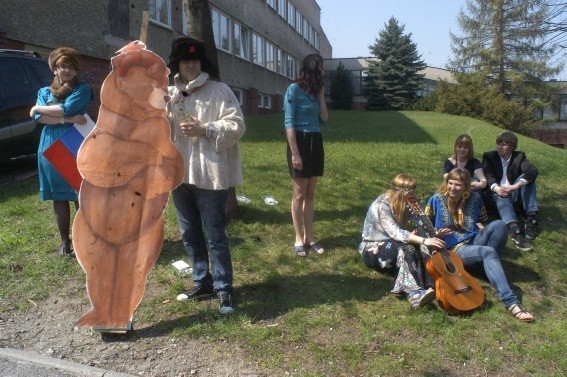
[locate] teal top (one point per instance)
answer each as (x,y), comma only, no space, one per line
(302,112)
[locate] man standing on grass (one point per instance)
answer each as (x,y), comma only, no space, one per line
(511,178)
(207,125)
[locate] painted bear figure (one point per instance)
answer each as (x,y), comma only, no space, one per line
(129,166)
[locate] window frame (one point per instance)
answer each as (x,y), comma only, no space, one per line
(242,50)
(271,59)
(218,30)
(239,94)
(154,7)
(291,14)
(258,41)
(282,9)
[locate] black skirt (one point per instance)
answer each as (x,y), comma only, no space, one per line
(310,146)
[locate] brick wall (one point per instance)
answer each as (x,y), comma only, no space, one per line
(556,137)
(94,71)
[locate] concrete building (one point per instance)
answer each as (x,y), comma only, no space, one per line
(356,67)
(260,43)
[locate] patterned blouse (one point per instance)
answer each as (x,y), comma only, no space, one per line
(380,225)
(464,225)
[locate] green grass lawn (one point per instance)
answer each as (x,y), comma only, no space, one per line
(330,315)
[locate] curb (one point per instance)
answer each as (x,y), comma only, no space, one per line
(65,365)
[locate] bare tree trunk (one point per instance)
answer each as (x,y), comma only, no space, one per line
(200,25)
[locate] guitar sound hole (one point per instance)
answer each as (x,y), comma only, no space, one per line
(463,290)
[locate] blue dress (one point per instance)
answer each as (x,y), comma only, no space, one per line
(52,186)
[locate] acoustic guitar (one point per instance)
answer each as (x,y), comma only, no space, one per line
(456,290)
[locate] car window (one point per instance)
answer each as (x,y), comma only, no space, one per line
(42,72)
(18,90)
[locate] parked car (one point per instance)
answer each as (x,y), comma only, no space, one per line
(22,74)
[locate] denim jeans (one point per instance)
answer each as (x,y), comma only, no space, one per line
(487,247)
(199,211)
(506,205)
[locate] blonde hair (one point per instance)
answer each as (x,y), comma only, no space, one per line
(463,176)
(401,186)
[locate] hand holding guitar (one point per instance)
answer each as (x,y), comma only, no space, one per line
(435,243)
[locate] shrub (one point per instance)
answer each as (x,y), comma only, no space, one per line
(470,98)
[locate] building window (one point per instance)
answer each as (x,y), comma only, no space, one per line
(272,3)
(240,45)
(221,30)
(160,11)
(298,21)
(291,70)
(563,109)
(239,95)
(305,29)
(264,101)
(282,5)
(356,79)
(312,36)
(260,101)
(257,49)
(270,56)
(291,14)
(281,62)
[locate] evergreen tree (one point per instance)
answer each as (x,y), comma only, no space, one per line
(341,88)
(392,81)
(503,41)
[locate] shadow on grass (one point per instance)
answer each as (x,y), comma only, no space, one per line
(280,294)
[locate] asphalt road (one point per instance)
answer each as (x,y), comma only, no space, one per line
(17,169)
(17,363)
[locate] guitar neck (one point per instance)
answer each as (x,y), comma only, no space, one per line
(428,226)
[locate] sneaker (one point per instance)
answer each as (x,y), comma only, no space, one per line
(520,241)
(226,303)
(531,228)
(197,293)
(420,298)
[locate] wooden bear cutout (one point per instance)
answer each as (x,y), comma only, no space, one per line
(129,166)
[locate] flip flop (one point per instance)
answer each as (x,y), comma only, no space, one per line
(317,248)
(300,251)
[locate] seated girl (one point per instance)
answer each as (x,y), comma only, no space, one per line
(455,212)
(387,244)
(463,157)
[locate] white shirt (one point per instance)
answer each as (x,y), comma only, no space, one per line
(212,161)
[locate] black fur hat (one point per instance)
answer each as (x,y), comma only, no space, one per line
(189,48)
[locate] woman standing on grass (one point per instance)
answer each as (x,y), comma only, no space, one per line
(456,212)
(59,106)
(305,111)
(386,244)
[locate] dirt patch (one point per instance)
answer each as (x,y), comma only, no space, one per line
(47,328)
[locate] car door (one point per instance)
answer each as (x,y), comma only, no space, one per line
(20,80)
